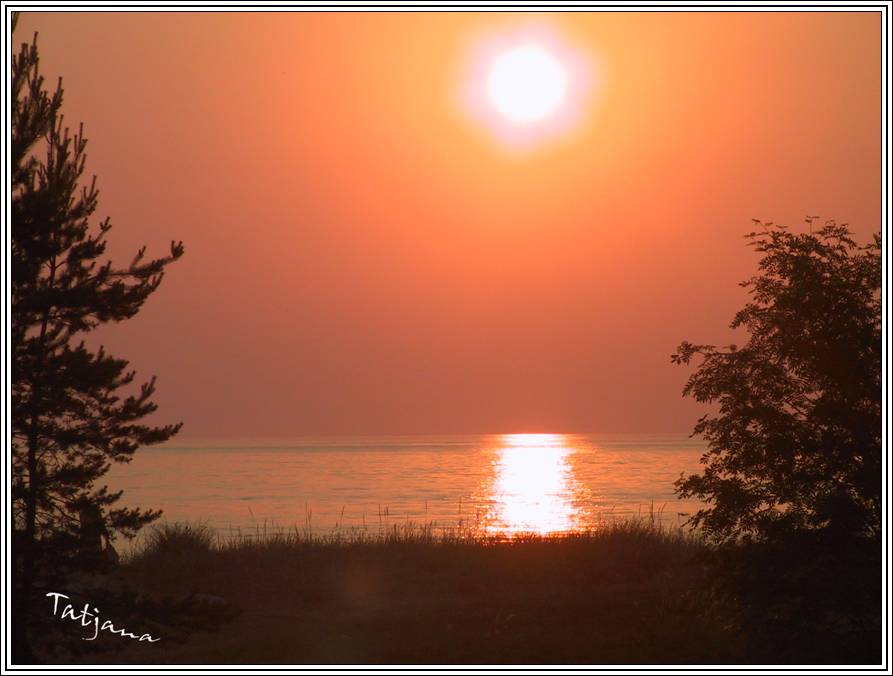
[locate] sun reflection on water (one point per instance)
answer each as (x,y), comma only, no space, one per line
(532,489)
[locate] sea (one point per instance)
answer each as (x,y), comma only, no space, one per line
(496,484)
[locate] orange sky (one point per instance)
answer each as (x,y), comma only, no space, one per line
(362,257)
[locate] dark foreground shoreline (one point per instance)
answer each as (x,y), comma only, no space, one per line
(631,593)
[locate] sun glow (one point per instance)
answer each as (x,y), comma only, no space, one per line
(526,86)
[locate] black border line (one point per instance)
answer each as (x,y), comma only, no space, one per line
(496,668)
(564,9)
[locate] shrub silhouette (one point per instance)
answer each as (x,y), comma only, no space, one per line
(796,443)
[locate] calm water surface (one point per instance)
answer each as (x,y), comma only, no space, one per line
(509,484)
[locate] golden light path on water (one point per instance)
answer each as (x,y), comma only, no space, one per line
(533,486)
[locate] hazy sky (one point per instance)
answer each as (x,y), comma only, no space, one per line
(364,256)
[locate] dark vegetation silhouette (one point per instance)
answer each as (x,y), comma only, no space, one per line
(796,444)
(792,474)
(630,592)
(72,415)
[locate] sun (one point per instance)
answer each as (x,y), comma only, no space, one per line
(526,84)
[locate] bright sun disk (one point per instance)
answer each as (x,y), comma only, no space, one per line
(526,84)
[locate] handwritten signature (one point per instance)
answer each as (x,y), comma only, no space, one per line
(87,617)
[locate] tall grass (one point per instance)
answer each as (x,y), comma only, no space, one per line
(628,591)
(175,537)
(184,558)
(169,538)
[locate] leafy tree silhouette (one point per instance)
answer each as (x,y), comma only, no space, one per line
(795,447)
(70,420)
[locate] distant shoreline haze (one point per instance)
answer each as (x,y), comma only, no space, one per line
(182,441)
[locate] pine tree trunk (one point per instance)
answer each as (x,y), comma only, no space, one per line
(29,554)
(22,653)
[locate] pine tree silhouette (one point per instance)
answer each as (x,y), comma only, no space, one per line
(70,419)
